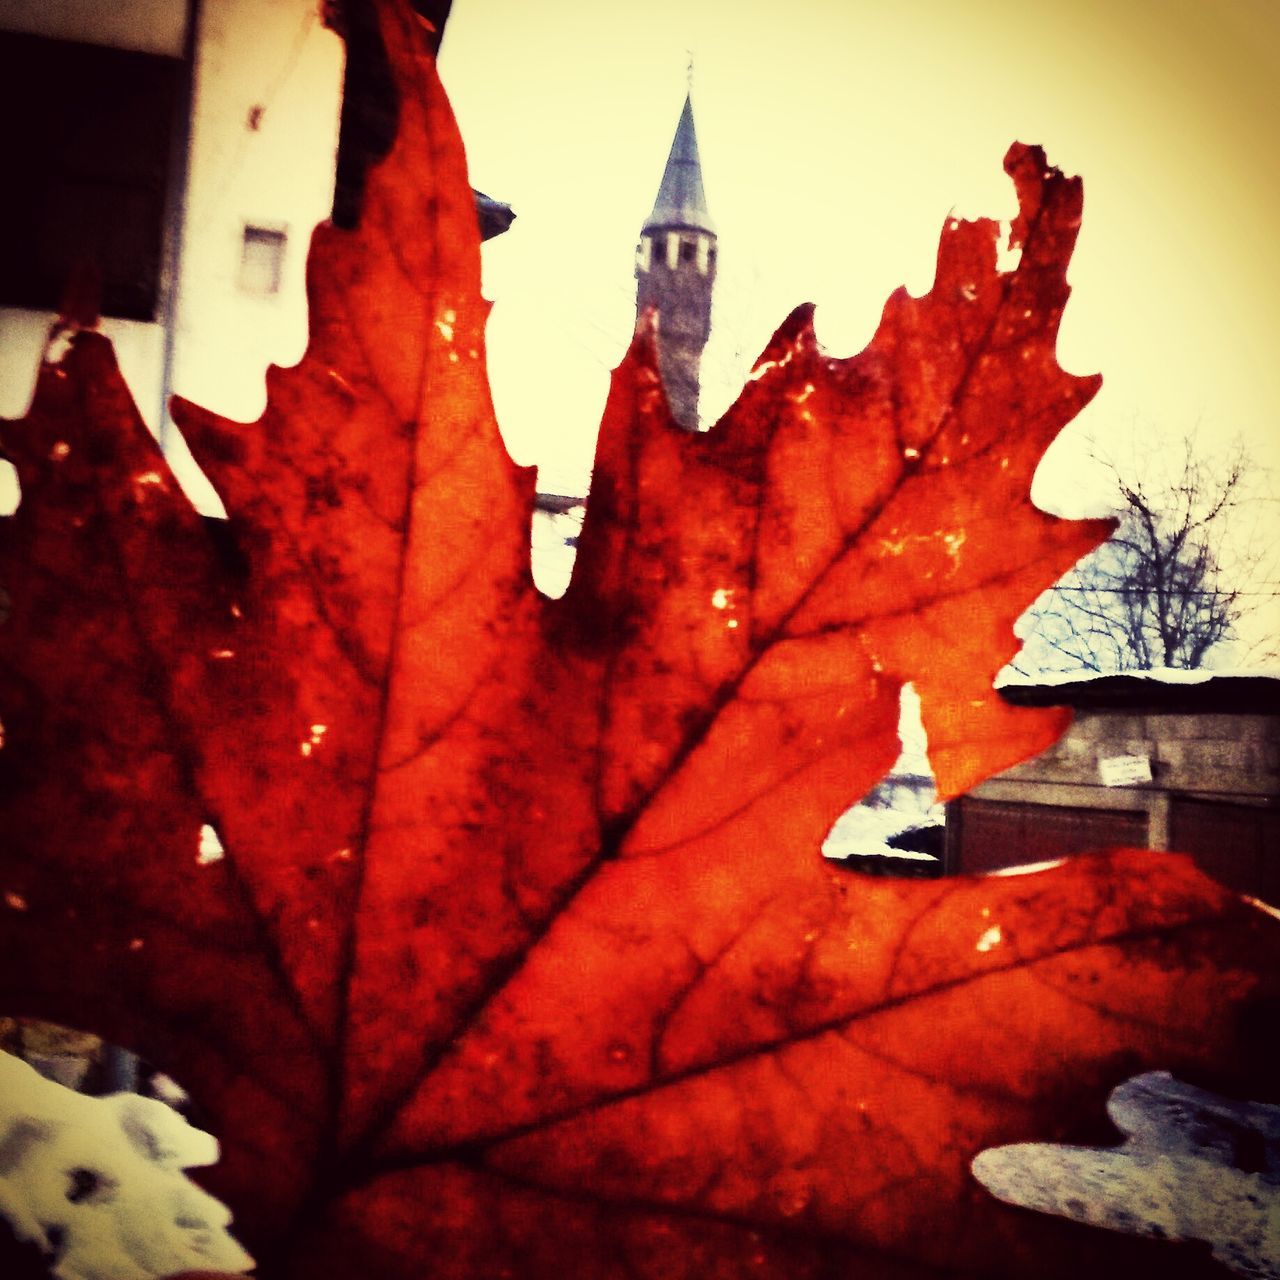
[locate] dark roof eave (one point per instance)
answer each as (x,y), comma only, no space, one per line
(494,216)
(675,225)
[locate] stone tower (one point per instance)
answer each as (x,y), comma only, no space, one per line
(676,268)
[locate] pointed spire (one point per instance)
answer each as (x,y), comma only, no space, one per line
(681,200)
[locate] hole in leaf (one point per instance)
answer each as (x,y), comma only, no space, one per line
(209,847)
(10,489)
(897,828)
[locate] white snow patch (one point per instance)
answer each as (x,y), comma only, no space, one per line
(102,1178)
(1028,868)
(866,829)
(1177,1176)
(865,832)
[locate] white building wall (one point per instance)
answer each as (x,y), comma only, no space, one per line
(139,348)
(264,134)
(264,129)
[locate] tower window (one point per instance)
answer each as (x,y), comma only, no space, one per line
(687,250)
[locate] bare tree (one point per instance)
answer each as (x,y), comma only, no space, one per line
(1163,591)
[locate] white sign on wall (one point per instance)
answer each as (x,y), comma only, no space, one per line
(1124,771)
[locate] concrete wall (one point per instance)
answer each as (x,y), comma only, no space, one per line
(1203,753)
(1202,762)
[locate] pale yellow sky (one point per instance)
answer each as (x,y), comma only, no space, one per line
(834,143)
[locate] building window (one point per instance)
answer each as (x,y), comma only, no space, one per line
(85,147)
(262,260)
(687,250)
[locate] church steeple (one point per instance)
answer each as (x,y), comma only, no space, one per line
(676,268)
(681,201)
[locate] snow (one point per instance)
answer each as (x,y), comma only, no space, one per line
(1161,675)
(1179,1175)
(98,1183)
(863,832)
(866,829)
(1027,868)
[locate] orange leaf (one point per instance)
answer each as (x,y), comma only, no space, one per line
(515,954)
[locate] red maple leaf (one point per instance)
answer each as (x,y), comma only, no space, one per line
(520,958)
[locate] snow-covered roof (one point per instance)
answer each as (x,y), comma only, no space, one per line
(1165,688)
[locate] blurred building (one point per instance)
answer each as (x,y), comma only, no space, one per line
(185,149)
